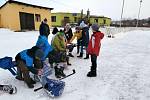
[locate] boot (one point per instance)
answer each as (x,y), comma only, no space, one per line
(57,72)
(61,69)
(32,81)
(77,49)
(70,54)
(92,73)
(19,78)
(67,59)
(19,74)
(87,56)
(81,55)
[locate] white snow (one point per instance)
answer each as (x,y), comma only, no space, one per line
(123,69)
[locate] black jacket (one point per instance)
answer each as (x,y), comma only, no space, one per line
(68,34)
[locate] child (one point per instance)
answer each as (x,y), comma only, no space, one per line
(78,34)
(94,48)
(59,45)
(25,61)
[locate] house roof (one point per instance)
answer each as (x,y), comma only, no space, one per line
(22,3)
(95,16)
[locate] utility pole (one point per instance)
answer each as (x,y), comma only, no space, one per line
(81,13)
(122,13)
(139,14)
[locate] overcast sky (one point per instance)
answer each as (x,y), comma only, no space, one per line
(108,8)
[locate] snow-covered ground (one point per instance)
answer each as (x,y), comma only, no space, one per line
(123,69)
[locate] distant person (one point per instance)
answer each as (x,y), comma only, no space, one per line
(68,35)
(68,32)
(55,30)
(44,28)
(78,35)
(84,39)
(94,49)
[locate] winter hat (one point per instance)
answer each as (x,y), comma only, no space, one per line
(39,53)
(61,33)
(55,30)
(77,28)
(45,20)
(95,27)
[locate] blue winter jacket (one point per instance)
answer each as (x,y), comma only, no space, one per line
(43,44)
(28,60)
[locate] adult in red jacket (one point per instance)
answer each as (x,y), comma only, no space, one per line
(94,48)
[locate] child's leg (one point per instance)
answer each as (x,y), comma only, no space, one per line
(25,73)
(92,72)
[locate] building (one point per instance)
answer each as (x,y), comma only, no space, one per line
(18,16)
(101,20)
(61,18)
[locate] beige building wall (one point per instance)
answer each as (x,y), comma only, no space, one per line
(10,15)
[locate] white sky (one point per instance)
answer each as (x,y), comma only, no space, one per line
(109,8)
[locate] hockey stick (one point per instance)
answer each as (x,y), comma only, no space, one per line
(38,89)
(73,72)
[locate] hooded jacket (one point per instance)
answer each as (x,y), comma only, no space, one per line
(44,45)
(95,43)
(28,57)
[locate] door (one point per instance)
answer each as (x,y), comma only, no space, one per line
(27,21)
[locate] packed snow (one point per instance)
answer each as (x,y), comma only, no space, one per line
(123,69)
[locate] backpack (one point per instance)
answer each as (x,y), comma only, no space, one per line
(54,87)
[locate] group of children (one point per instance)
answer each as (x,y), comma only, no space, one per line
(31,60)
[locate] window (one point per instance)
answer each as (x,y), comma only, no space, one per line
(74,14)
(104,21)
(53,18)
(66,18)
(37,17)
(96,20)
(75,19)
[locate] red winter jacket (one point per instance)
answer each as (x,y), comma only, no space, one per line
(95,43)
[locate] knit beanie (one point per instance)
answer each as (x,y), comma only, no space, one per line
(95,27)
(61,33)
(39,53)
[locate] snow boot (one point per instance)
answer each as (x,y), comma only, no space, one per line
(32,81)
(61,69)
(78,49)
(92,73)
(67,59)
(87,56)
(57,72)
(81,55)
(19,78)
